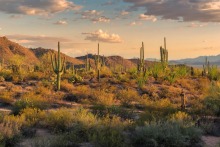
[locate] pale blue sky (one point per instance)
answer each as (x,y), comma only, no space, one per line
(192,27)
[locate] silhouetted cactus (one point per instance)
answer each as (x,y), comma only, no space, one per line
(164,53)
(87,63)
(183,100)
(141,64)
(206,67)
(58,65)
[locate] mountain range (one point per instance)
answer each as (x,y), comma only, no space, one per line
(32,56)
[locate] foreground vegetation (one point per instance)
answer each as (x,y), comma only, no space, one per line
(129,109)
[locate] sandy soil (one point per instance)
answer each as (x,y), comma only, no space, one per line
(211,141)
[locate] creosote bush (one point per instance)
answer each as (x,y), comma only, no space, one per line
(166,134)
(31,100)
(127,97)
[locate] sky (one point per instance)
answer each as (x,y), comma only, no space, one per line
(191,27)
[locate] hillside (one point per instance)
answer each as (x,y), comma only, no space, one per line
(39,52)
(215,60)
(8,49)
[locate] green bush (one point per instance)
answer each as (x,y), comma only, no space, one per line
(6,97)
(127,96)
(170,134)
(212,100)
(31,100)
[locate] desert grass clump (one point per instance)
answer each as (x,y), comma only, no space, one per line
(105,72)
(157,110)
(212,100)
(66,86)
(127,97)
(213,73)
(157,70)
(33,116)
(35,76)
(6,97)
(109,132)
(31,100)
(102,98)
(59,120)
(10,130)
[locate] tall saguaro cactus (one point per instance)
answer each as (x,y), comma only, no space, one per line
(206,67)
(141,62)
(164,53)
(58,66)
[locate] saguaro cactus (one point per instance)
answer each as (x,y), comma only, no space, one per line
(58,66)
(206,67)
(87,63)
(164,53)
(141,63)
(183,100)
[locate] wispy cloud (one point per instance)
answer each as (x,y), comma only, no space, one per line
(102,36)
(37,7)
(196,25)
(135,23)
(61,22)
(185,10)
(124,13)
(94,16)
(147,17)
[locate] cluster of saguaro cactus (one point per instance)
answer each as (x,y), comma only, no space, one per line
(58,65)
(164,53)
(206,67)
(141,64)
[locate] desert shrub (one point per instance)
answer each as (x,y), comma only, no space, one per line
(82,92)
(122,78)
(35,76)
(133,73)
(157,70)
(110,132)
(181,117)
(171,77)
(31,100)
(142,79)
(33,116)
(76,78)
(182,71)
(6,74)
(102,98)
(127,96)
(43,90)
(105,72)
(213,73)
(59,120)
(2,79)
(6,97)
(66,86)
(157,110)
(166,134)
(212,100)
(10,130)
